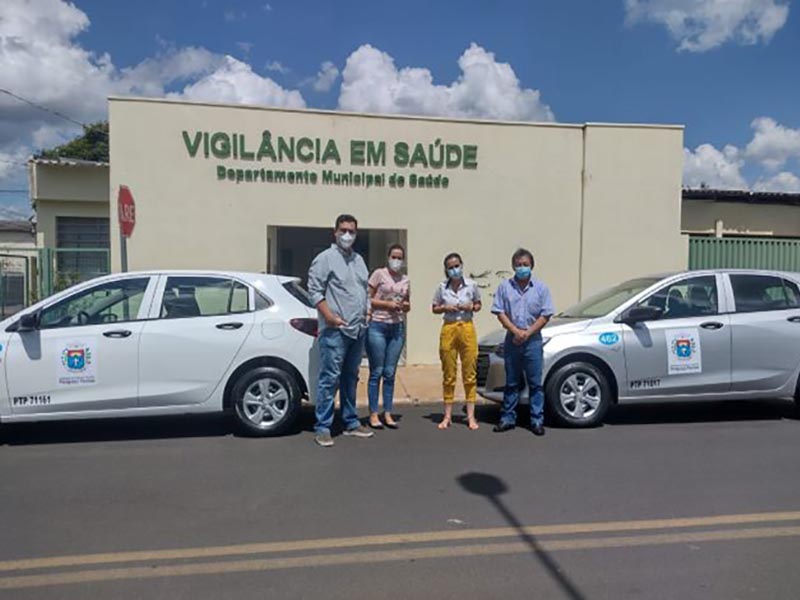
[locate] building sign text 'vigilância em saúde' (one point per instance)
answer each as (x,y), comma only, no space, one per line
(313,161)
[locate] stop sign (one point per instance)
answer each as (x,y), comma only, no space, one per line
(126,210)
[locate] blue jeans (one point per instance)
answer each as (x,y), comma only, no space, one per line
(523,361)
(340,358)
(384,345)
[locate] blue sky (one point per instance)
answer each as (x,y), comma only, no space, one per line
(716,69)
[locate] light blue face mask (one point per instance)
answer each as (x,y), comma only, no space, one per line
(454,273)
(522,272)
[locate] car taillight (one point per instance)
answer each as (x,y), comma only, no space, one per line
(307,326)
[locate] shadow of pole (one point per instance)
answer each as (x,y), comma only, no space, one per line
(492,488)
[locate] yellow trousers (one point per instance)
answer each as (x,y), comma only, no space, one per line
(459,339)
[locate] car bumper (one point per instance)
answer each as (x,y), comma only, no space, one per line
(492,377)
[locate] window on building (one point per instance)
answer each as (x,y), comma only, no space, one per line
(81,249)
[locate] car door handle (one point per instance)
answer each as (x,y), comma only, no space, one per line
(117,333)
(793,319)
(713,325)
(228,326)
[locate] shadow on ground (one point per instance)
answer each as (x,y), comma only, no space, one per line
(702,412)
(493,488)
(133,428)
(200,426)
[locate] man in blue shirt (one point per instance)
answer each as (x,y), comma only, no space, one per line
(524,306)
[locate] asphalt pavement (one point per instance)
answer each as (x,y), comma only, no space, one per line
(676,501)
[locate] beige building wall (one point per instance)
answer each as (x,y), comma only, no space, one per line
(701,216)
(48,210)
(15,241)
(632,204)
(77,183)
(526,191)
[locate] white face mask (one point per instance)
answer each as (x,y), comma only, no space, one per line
(345,240)
(395,264)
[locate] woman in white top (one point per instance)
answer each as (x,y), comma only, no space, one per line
(458,298)
(390,296)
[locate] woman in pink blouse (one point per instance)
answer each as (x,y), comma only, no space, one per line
(390,295)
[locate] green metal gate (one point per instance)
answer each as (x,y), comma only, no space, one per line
(60,268)
(15,283)
(744,253)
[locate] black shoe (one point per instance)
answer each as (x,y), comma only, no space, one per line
(503,427)
(538,430)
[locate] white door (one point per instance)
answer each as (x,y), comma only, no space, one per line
(766,332)
(688,349)
(200,326)
(83,356)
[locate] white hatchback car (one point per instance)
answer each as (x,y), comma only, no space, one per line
(159,343)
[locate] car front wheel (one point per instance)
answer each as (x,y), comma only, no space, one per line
(578,394)
(266,401)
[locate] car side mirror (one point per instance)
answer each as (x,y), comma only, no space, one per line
(640,314)
(29,322)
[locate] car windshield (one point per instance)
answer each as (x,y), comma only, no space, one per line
(603,303)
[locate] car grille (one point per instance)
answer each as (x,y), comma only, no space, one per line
(483,364)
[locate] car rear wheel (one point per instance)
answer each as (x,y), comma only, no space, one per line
(266,401)
(578,394)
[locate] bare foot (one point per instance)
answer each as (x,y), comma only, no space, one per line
(473,425)
(445,423)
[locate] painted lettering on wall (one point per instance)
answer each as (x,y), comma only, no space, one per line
(294,160)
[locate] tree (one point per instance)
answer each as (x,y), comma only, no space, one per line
(92,145)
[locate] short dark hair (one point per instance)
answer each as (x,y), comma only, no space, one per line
(345,219)
(394,247)
(522,253)
(449,257)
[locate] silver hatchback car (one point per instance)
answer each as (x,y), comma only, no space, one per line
(699,335)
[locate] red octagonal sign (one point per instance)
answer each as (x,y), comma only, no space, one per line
(126,209)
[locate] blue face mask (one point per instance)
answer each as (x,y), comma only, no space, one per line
(454,273)
(522,272)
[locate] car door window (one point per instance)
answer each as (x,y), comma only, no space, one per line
(203,297)
(693,297)
(757,293)
(112,302)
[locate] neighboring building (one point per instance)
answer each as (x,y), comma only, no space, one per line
(725,213)
(17,235)
(70,198)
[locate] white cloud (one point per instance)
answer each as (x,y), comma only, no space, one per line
(235,82)
(42,59)
(12,160)
(325,78)
(708,167)
(276,67)
(485,89)
(781,182)
(773,144)
(700,25)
